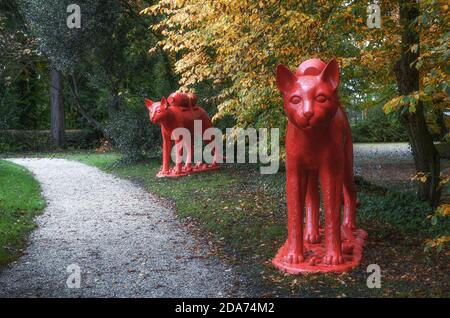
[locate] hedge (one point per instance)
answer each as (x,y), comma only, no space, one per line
(40,140)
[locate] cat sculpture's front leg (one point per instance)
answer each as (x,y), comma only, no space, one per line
(295,192)
(331,184)
(312,208)
(350,199)
(167,143)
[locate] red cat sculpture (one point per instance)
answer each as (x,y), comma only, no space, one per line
(318,147)
(178,111)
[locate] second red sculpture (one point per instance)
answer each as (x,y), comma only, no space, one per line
(180,110)
(318,148)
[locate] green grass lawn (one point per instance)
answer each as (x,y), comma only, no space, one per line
(20,202)
(242,214)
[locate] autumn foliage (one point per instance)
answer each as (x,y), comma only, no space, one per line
(236,45)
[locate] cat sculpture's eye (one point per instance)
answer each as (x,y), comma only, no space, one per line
(321,98)
(296,100)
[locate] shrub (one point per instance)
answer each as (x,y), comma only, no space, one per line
(379,127)
(133,135)
(401,210)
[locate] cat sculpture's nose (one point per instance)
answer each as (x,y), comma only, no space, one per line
(308,114)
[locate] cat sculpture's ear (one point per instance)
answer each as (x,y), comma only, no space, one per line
(330,74)
(148,103)
(164,103)
(285,79)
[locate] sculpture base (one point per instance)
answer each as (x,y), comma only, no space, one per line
(172,173)
(352,249)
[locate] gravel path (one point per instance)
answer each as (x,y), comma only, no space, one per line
(382,152)
(125,243)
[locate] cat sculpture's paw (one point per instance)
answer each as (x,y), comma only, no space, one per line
(333,258)
(293,258)
(312,238)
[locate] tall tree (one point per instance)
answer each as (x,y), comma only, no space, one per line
(426,157)
(65,46)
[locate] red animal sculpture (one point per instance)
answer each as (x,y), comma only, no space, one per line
(318,147)
(179,111)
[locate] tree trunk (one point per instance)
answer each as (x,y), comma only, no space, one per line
(57,107)
(169,73)
(440,121)
(113,100)
(426,157)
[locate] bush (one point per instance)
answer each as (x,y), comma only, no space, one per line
(379,127)
(133,135)
(40,140)
(402,211)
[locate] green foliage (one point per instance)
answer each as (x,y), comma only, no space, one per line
(133,134)
(24,97)
(401,211)
(65,47)
(15,44)
(379,127)
(20,202)
(23,75)
(120,64)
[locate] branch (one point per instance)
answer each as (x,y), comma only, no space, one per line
(80,109)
